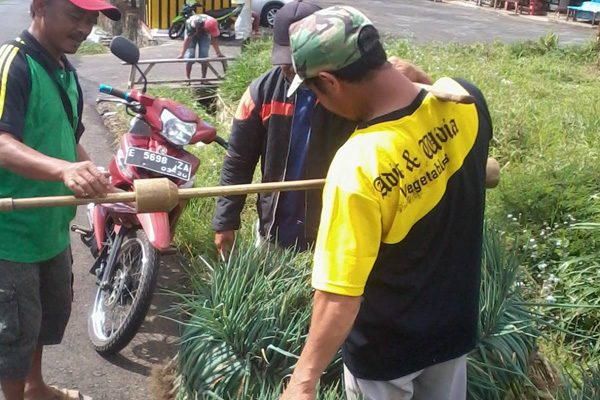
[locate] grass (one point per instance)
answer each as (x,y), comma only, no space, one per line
(247,323)
(90,48)
(247,320)
(543,99)
(254,62)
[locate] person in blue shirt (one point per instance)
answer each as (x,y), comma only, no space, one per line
(288,136)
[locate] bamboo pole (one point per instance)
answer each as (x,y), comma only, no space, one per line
(233,190)
(8,204)
(447,95)
(161,194)
(164,193)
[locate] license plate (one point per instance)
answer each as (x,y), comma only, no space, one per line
(160,163)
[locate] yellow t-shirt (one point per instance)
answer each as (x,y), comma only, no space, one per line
(402,226)
(387,177)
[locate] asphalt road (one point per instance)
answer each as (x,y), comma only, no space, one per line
(14,17)
(425,20)
(74,363)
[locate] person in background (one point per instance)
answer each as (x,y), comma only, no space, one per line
(255,23)
(201,31)
(41,109)
(288,136)
(243,23)
(398,254)
(247,24)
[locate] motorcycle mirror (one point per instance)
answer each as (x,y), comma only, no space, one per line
(125,49)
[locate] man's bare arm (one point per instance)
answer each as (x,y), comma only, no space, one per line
(186,45)
(82,155)
(82,177)
(332,320)
(214,41)
(411,71)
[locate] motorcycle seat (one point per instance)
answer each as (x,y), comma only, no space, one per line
(219,13)
(189,10)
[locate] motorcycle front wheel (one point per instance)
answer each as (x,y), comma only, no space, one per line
(176,30)
(120,309)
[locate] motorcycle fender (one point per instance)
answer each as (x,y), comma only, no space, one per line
(178,18)
(99,218)
(157,228)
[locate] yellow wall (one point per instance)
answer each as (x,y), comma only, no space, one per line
(160,13)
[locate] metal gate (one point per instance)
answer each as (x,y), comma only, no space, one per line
(160,13)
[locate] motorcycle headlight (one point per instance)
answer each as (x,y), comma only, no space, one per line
(175,130)
(120,158)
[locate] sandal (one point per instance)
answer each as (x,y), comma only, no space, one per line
(68,394)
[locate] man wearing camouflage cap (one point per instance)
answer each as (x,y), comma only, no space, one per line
(398,252)
(288,136)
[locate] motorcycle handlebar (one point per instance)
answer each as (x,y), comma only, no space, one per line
(114,92)
(134,105)
(221,142)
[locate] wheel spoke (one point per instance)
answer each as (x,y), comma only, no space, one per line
(114,306)
(129,292)
(121,315)
(128,258)
(112,323)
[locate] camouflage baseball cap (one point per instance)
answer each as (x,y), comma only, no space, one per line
(326,41)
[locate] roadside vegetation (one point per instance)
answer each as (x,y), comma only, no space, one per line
(90,48)
(244,322)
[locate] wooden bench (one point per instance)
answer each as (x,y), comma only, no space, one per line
(209,61)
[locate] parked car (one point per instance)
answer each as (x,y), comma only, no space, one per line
(267,9)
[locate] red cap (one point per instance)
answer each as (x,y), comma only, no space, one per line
(105,8)
(212,26)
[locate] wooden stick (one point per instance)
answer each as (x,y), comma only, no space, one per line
(234,190)
(128,197)
(182,60)
(448,96)
(60,201)
(193,80)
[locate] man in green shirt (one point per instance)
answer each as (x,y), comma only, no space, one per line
(40,127)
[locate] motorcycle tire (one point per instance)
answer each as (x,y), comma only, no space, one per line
(125,333)
(176,30)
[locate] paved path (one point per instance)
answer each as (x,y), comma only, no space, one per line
(74,363)
(14,17)
(459,20)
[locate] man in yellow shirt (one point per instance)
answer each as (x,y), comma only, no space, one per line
(398,253)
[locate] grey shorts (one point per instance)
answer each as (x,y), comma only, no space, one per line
(444,381)
(35,306)
(202,42)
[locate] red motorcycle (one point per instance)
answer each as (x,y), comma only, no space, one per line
(127,259)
